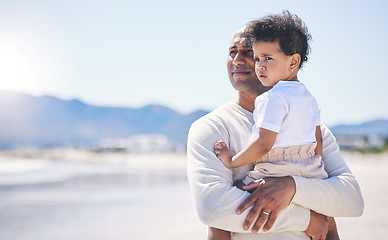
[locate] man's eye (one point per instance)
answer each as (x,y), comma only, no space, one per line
(233,53)
(250,52)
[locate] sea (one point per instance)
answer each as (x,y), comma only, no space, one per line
(138,196)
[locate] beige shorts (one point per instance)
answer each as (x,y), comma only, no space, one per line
(290,161)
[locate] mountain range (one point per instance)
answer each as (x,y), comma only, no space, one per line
(48,121)
(377,127)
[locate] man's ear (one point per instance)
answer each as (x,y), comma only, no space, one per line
(295,61)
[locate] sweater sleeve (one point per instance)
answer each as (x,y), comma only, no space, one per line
(337,196)
(211,183)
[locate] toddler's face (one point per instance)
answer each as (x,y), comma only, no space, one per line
(271,64)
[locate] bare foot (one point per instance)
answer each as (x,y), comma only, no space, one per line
(223,153)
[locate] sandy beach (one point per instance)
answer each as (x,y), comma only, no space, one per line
(75,194)
(370,171)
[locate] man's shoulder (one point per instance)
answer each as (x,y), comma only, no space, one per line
(221,115)
(221,112)
(325,130)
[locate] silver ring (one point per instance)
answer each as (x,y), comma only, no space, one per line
(265,213)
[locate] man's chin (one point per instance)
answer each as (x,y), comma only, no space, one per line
(240,78)
(248,85)
(241,85)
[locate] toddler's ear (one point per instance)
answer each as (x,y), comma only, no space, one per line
(295,61)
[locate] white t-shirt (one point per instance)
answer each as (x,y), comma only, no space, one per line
(290,110)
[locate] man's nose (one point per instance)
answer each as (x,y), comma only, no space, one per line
(239,59)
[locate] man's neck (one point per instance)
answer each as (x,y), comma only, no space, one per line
(247,100)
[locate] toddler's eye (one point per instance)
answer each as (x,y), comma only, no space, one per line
(268,58)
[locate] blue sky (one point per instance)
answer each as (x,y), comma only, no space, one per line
(134,53)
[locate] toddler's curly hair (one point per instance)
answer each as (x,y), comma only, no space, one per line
(287,29)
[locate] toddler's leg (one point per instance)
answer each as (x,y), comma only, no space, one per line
(239,184)
(223,152)
(332,234)
(217,234)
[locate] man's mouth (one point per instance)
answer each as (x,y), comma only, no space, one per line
(240,72)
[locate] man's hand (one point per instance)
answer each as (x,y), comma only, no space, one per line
(318,226)
(271,195)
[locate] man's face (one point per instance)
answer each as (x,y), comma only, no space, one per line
(241,65)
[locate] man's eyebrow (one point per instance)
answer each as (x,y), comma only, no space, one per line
(244,47)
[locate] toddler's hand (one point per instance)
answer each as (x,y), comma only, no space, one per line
(223,153)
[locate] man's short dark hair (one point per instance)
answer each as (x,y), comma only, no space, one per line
(287,29)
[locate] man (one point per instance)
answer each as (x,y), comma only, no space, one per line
(288,199)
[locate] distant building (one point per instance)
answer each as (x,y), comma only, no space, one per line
(113,144)
(141,143)
(360,142)
(351,142)
(376,141)
(149,143)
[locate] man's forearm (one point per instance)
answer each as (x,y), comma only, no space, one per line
(337,196)
(220,212)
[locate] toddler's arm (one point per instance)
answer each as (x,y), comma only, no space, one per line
(318,136)
(258,148)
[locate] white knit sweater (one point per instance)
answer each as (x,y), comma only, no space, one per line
(216,199)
